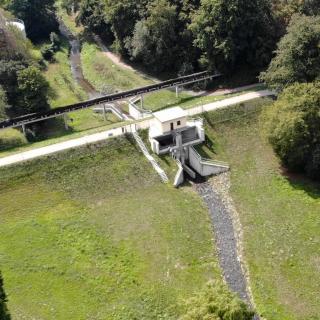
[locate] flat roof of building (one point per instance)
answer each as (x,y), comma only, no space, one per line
(170,114)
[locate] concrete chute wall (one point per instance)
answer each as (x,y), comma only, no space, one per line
(206,167)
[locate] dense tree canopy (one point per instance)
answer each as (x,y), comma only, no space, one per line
(33,91)
(38,16)
(298,55)
(4,313)
(3,104)
(119,11)
(216,302)
(234,32)
(155,38)
(172,35)
(92,16)
(293,128)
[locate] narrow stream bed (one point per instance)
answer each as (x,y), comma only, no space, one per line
(75,61)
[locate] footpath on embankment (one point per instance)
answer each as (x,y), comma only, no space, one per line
(97,137)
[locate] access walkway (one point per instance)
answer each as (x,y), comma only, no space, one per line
(93,138)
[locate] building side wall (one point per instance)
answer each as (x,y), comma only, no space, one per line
(165,127)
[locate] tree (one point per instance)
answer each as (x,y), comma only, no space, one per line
(38,16)
(92,15)
(234,32)
(33,92)
(285,9)
(71,6)
(9,78)
(292,126)
(216,302)
(3,105)
(298,55)
(155,38)
(4,313)
(119,11)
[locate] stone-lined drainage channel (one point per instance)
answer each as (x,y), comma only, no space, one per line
(75,61)
(227,240)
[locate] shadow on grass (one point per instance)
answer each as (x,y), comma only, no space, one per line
(301,182)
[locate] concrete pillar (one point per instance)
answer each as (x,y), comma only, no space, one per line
(65,119)
(104,112)
(24,129)
(177,92)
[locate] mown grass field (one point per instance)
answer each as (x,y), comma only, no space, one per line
(93,234)
(279,214)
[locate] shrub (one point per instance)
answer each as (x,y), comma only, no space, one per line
(47,52)
(3,104)
(4,313)
(216,302)
(298,55)
(292,126)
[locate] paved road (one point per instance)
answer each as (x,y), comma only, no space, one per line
(39,152)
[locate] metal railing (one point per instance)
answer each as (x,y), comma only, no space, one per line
(36,117)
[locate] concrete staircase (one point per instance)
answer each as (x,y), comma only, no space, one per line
(146,153)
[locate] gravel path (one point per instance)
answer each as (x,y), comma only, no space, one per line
(225,240)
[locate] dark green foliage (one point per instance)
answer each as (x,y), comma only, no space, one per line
(155,39)
(92,16)
(3,104)
(33,91)
(8,78)
(119,11)
(234,32)
(4,313)
(70,6)
(216,302)
(49,50)
(298,55)
(313,165)
(38,16)
(293,129)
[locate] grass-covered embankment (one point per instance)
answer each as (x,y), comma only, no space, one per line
(279,215)
(94,234)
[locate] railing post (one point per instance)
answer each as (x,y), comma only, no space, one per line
(142,101)
(65,119)
(177,91)
(24,129)
(104,112)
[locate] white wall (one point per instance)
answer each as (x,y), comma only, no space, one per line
(165,127)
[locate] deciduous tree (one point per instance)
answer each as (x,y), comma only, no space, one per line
(155,38)
(4,313)
(298,55)
(234,32)
(38,16)
(293,130)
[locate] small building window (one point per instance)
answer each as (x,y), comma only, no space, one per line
(179,123)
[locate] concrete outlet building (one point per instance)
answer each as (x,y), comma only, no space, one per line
(172,132)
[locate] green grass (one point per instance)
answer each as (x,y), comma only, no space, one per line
(104,75)
(93,234)
(11,138)
(64,89)
(279,214)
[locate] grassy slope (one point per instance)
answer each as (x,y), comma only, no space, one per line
(281,222)
(104,75)
(94,235)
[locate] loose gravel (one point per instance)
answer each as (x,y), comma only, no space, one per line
(225,239)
